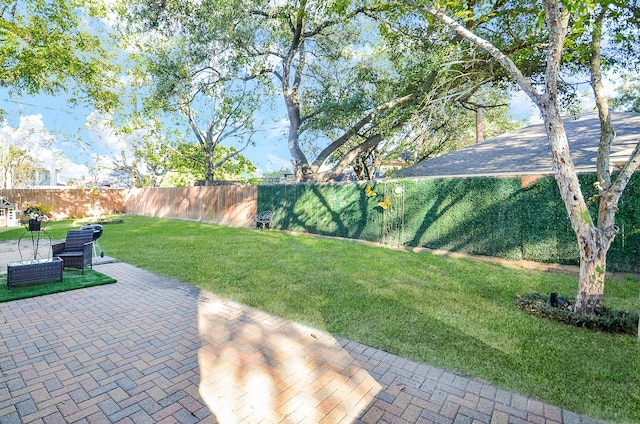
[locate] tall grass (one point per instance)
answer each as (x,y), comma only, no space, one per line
(452,313)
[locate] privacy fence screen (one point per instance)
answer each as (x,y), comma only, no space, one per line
(480,216)
(483,216)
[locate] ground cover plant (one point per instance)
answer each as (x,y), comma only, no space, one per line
(609,320)
(452,313)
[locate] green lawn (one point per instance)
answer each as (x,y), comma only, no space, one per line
(452,313)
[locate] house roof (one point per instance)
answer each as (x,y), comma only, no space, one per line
(526,151)
(5,203)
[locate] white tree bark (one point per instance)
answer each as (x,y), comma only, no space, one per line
(593,240)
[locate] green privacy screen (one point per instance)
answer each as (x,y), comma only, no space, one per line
(480,216)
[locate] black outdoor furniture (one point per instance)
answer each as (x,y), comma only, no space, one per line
(76,250)
(33,271)
(97,233)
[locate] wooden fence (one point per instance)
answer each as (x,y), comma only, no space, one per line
(234,205)
(69,202)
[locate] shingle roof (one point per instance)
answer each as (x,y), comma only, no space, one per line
(526,151)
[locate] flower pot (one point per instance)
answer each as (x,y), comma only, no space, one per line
(34,225)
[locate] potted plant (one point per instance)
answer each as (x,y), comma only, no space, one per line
(35,215)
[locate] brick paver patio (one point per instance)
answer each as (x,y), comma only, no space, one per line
(150,349)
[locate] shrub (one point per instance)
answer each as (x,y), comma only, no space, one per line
(610,321)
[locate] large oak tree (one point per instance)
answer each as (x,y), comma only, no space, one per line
(347,77)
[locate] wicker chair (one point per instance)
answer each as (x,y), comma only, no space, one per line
(76,250)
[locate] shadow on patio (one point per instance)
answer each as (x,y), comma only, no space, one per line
(253,364)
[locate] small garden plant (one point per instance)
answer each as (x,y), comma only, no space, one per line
(610,320)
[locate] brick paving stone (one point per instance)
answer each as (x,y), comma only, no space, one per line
(536,419)
(553,413)
(411,413)
(435,418)
(14,385)
(150,406)
(55,418)
(98,418)
(124,413)
(38,416)
(500,417)
(536,407)
(474,415)
(152,349)
(26,407)
(67,408)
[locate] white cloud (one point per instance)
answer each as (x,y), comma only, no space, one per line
(281,128)
(72,171)
(276,163)
(32,136)
(30,133)
(119,147)
(103,134)
(522,108)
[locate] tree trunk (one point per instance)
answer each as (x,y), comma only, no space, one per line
(593,242)
(209,169)
(134,166)
(593,264)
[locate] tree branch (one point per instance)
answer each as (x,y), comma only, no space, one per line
(370,142)
(626,173)
(232,155)
(369,117)
(557,20)
(483,44)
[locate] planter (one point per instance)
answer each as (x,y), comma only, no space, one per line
(34,225)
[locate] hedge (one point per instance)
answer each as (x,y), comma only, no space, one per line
(480,216)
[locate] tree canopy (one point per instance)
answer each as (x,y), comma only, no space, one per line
(18,167)
(350,78)
(628,98)
(48,47)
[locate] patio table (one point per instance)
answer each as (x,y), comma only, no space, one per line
(34,271)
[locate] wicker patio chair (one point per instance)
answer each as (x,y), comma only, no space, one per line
(76,250)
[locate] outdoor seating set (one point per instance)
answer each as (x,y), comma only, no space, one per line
(74,252)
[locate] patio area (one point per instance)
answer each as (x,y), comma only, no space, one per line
(152,349)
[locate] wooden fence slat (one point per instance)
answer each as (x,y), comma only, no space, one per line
(227,205)
(68,202)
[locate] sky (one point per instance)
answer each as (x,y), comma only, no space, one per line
(82,145)
(76,137)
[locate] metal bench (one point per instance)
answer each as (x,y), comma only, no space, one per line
(264,219)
